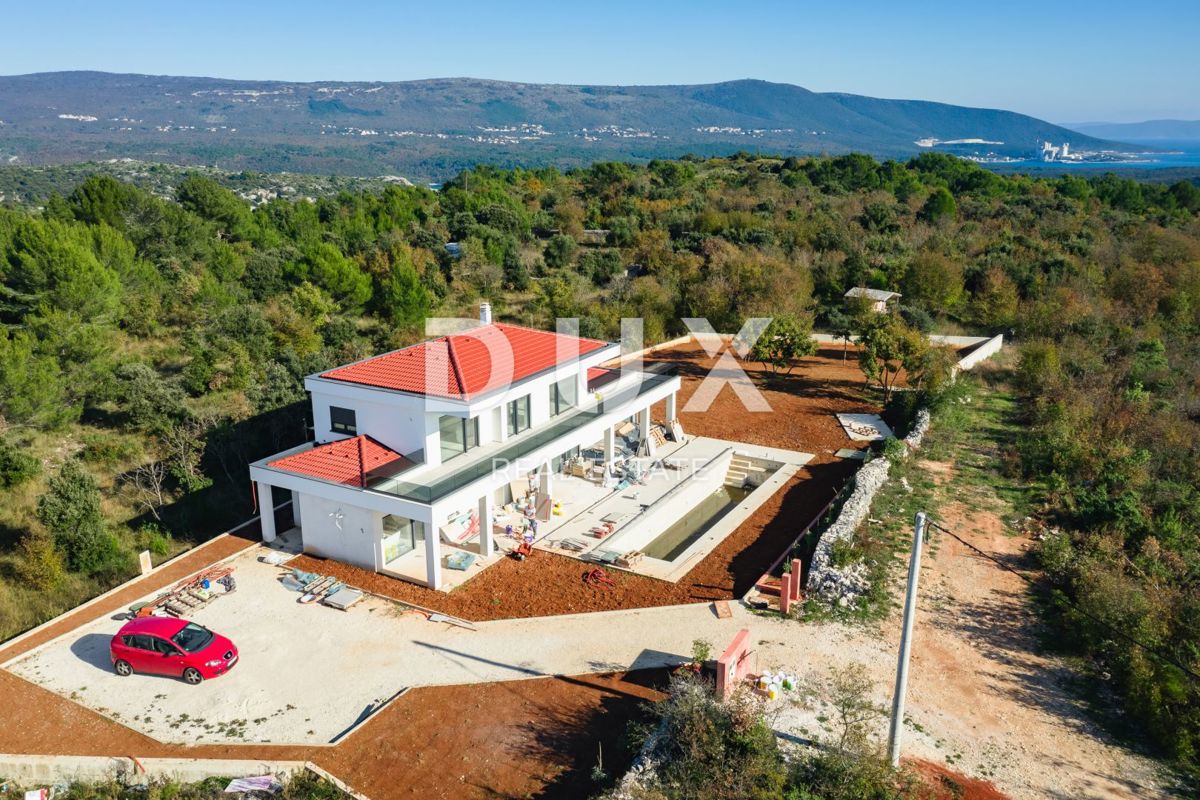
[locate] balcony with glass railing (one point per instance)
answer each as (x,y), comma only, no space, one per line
(429,486)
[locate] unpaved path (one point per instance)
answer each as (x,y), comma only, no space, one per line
(982,697)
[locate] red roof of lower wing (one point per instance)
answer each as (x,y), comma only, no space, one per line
(599,376)
(468,364)
(353,462)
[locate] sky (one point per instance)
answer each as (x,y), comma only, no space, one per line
(1062,61)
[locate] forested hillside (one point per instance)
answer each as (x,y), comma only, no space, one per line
(150,348)
(430,129)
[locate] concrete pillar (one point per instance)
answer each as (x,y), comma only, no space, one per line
(796,573)
(486,545)
(671,406)
(266,511)
(296,510)
(644,423)
(433,557)
(610,447)
(785,593)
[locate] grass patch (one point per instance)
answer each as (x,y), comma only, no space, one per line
(967,457)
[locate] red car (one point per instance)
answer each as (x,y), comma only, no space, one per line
(169,646)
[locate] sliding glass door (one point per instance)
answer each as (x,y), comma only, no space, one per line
(400,536)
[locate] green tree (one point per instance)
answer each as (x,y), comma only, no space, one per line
(71,511)
(939,206)
(787,339)
(995,304)
(559,251)
(401,297)
(888,347)
(209,200)
(933,282)
(31,383)
(345,282)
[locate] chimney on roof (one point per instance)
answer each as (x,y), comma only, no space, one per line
(485,313)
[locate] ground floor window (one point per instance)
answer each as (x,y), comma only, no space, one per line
(556,464)
(400,536)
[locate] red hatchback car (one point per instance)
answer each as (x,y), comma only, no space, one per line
(169,646)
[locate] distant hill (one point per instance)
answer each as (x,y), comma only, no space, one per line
(430,129)
(1179,130)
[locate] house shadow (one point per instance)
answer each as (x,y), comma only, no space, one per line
(229,449)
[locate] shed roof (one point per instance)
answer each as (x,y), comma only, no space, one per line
(872,294)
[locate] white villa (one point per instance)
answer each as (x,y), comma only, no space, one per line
(415,450)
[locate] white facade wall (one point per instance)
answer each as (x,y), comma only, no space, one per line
(357,542)
(406,423)
(395,419)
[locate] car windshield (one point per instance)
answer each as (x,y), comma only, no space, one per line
(193,638)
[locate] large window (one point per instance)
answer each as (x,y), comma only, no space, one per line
(458,435)
(518,415)
(342,420)
(563,395)
(400,536)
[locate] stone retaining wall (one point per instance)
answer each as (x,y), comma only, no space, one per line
(844,585)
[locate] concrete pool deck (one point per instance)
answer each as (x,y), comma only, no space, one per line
(647,510)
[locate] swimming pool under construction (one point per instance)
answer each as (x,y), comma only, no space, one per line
(662,514)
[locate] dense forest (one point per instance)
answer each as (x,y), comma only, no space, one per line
(151,347)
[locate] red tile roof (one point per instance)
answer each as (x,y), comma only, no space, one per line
(468,364)
(350,461)
(599,376)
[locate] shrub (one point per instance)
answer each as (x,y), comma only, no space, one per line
(16,466)
(40,564)
(99,448)
(153,538)
(895,450)
(70,510)
(716,751)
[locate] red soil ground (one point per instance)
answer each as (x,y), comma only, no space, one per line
(803,405)
(946,784)
(515,739)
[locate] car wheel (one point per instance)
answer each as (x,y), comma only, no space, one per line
(192,676)
(123,668)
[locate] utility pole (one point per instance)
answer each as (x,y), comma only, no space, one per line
(910,611)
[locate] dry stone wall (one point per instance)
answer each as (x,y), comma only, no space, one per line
(844,585)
